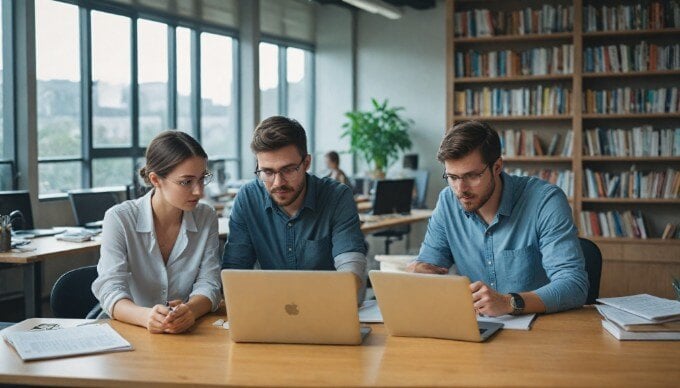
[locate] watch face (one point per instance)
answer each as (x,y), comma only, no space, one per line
(516,302)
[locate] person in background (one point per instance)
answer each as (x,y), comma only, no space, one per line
(289,219)
(333,164)
(513,236)
(159,265)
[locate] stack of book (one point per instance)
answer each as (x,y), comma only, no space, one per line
(563,179)
(483,22)
(624,58)
(639,141)
(632,184)
(630,100)
(654,15)
(641,317)
(536,101)
(613,224)
(535,61)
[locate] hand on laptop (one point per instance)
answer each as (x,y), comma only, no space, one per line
(420,267)
(489,302)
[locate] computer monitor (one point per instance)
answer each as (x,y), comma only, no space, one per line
(89,206)
(17,200)
(393,196)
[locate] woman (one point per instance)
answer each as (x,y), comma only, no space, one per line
(333,164)
(159,265)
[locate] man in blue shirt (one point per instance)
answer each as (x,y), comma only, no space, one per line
(514,237)
(288,219)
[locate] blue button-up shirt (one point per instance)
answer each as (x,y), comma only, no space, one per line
(325,233)
(531,244)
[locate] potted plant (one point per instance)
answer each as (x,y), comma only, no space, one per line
(378,135)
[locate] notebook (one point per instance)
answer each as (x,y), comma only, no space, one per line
(434,306)
(310,307)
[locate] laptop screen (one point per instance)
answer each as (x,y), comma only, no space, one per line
(90,206)
(393,196)
(17,200)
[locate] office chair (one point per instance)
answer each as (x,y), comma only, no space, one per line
(593,258)
(397,233)
(72,294)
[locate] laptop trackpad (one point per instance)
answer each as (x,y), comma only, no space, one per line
(487,329)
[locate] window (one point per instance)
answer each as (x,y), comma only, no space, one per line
(137,91)
(6,152)
(58,96)
(294,98)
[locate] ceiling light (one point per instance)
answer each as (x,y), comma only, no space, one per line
(377,6)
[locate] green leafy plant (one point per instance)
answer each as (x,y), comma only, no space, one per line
(378,135)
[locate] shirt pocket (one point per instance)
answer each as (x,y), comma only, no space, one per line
(317,254)
(521,268)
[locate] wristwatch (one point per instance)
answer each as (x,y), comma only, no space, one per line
(517,303)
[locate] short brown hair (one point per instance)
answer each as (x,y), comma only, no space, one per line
(277,132)
(333,157)
(466,137)
(167,150)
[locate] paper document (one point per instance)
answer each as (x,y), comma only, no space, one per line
(369,312)
(622,334)
(646,306)
(72,341)
(512,322)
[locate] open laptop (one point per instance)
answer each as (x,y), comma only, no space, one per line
(393,196)
(424,305)
(310,307)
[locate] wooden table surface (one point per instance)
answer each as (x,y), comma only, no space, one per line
(46,247)
(564,349)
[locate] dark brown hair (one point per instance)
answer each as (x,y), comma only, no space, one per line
(333,157)
(277,132)
(167,150)
(464,138)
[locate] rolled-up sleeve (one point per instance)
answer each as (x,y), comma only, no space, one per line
(435,249)
(208,279)
(112,283)
(239,252)
(561,254)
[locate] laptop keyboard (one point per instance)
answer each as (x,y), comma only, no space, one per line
(482,331)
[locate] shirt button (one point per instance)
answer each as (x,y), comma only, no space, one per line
(290,224)
(492,284)
(290,249)
(489,262)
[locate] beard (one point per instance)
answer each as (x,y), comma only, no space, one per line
(472,202)
(291,194)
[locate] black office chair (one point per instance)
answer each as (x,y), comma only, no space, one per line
(72,294)
(593,258)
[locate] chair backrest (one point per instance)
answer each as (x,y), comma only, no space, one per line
(421,177)
(72,293)
(593,258)
(17,200)
(90,205)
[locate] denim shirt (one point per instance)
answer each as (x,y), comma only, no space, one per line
(531,244)
(325,233)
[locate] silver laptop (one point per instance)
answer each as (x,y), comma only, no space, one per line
(423,305)
(311,307)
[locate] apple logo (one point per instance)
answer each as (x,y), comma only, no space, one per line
(292,309)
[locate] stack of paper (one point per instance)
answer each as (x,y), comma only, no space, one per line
(641,317)
(71,341)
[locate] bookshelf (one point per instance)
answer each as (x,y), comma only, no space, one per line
(631,265)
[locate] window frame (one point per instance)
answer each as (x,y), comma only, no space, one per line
(136,151)
(8,156)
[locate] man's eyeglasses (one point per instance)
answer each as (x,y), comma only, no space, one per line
(190,183)
(287,173)
(471,179)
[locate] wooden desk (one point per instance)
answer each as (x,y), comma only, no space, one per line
(31,261)
(417,215)
(565,349)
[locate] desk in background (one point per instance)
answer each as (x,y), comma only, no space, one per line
(46,248)
(564,349)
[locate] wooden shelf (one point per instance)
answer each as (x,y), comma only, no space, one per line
(633,240)
(516,78)
(632,74)
(513,118)
(652,159)
(595,116)
(515,38)
(657,201)
(633,33)
(537,159)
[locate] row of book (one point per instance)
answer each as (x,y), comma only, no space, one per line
(613,224)
(563,179)
(483,22)
(525,142)
(641,317)
(624,58)
(637,142)
(536,61)
(671,231)
(641,16)
(630,100)
(632,184)
(536,101)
